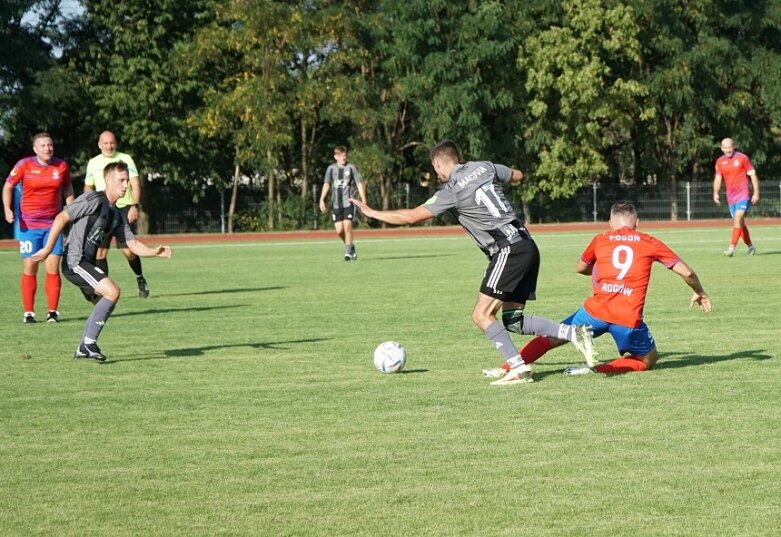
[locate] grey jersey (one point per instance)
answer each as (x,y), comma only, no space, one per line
(343,181)
(92,218)
(474,191)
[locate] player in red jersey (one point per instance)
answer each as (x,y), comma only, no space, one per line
(45,181)
(619,262)
(735,168)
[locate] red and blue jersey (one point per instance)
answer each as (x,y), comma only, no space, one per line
(735,170)
(622,261)
(42,188)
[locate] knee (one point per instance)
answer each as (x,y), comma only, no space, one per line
(481,319)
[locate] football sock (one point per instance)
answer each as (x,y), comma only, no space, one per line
(746,236)
(624,364)
(97,319)
(736,233)
(102,264)
(534,325)
(535,349)
(29,284)
(53,286)
(135,265)
(501,340)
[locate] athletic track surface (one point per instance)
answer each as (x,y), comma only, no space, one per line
(417,231)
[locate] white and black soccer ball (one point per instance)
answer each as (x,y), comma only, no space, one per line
(389,357)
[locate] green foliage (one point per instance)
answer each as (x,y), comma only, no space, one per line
(570,92)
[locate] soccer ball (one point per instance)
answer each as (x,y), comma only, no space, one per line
(389,357)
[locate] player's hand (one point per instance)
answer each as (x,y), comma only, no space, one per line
(702,301)
(132,215)
(322,206)
(362,206)
(164,251)
(754,199)
(9,216)
(716,199)
(40,255)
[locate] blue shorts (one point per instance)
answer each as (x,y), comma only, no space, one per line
(742,205)
(32,240)
(635,341)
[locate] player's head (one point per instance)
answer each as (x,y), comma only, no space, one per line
(117,178)
(107,143)
(728,147)
(43,147)
(444,156)
(623,214)
(340,155)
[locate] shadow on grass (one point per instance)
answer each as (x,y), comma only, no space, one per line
(152,311)
(412,371)
(691,360)
(191,352)
(674,360)
(393,257)
(226,291)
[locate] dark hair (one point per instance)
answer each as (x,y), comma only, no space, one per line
(41,135)
(119,166)
(340,149)
(445,149)
(623,208)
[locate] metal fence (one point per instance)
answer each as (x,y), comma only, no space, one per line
(689,201)
(171,210)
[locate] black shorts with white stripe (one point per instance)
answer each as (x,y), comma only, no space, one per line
(512,273)
(85,276)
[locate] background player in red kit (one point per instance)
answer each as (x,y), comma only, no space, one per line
(735,168)
(619,262)
(45,181)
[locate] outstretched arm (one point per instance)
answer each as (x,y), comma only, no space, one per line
(398,217)
(144,250)
(690,277)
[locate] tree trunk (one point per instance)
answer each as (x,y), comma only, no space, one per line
(271,195)
(234,197)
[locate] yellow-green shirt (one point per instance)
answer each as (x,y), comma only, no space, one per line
(94,177)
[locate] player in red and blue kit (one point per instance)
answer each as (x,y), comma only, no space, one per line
(735,168)
(45,181)
(619,262)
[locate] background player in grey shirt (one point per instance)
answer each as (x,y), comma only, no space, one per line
(343,179)
(473,190)
(94,216)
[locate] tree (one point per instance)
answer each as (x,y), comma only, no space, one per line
(580,105)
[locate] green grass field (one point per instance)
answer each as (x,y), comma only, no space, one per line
(241,399)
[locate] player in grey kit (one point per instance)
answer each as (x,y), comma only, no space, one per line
(473,191)
(343,178)
(93,216)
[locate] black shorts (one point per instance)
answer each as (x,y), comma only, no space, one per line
(344,213)
(85,276)
(511,275)
(107,239)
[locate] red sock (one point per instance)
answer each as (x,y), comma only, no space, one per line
(532,351)
(746,236)
(624,364)
(736,232)
(29,284)
(53,286)
(535,349)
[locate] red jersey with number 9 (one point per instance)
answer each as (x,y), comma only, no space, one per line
(622,261)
